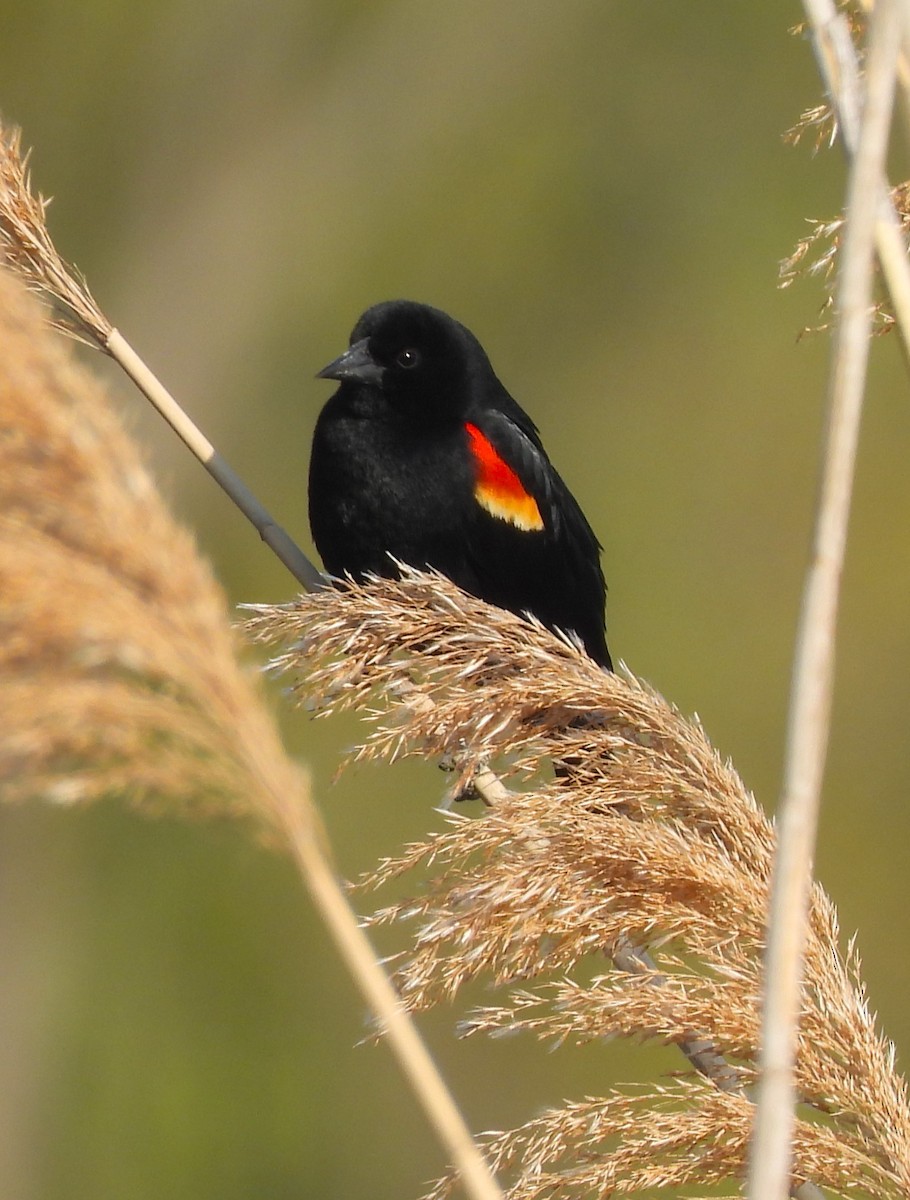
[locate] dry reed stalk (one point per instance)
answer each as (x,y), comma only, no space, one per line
(645,835)
(119,670)
(27,247)
(813,668)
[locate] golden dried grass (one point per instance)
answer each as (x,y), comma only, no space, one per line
(643,836)
(118,665)
(817,254)
(26,246)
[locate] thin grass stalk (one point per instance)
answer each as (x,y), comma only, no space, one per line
(810,704)
(414,1060)
(275,537)
(303,831)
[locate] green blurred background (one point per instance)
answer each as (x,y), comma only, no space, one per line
(600,191)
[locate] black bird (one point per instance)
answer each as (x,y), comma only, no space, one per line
(423,455)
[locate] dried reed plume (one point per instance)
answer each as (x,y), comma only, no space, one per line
(119,670)
(816,256)
(27,246)
(643,835)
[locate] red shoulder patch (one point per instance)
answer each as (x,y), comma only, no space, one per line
(498,489)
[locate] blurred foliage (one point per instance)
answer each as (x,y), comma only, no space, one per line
(600,191)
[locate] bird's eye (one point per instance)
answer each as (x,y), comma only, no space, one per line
(407,358)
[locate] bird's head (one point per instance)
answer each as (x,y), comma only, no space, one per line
(417,358)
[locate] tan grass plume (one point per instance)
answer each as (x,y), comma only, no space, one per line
(643,836)
(118,663)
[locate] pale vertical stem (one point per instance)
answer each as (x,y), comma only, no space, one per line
(810,699)
(414,1059)
(274,536)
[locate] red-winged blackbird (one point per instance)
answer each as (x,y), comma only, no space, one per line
(423,455)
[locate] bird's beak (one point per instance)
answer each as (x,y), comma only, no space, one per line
(356,363)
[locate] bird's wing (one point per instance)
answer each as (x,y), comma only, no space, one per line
(518,448)
(518,486)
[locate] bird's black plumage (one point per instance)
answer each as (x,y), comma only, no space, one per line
(421,454)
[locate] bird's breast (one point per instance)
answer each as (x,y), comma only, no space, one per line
(385,467)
